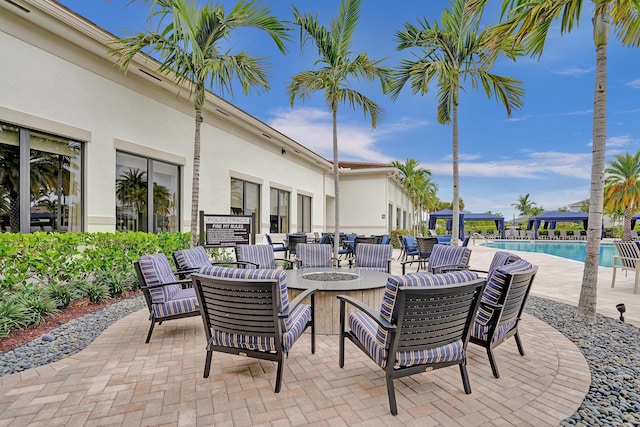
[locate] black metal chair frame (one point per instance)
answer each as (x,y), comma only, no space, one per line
(293,241)
(510,306)
(147,297)
(419,324)
(425,247)
(247,307)
(277,246)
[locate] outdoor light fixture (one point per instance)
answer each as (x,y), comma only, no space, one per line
(621,308)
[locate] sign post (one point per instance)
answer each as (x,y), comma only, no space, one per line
(224,231)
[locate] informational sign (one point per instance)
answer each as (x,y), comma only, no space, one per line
(221,231)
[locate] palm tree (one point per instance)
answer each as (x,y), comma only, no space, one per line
(530,21)
(454,51)
(417,182)
(131,190)
(190,48)
(337,66)
(622,188)
(524,205)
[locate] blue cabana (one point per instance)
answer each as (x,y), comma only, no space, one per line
(448,215)
(549,219)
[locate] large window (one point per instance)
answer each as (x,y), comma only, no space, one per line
(279,211)
(245,200)
(40,181)
(138,204)
(304,214)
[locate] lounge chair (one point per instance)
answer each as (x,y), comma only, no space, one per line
(248,313)
(260,256)
(446,258)
(403,343)
(627,259)
(277,246)
(370,256)
(501,307)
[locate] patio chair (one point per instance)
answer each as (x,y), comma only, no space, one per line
(501,307)
(424,323)
(410,247)
(371,256)
(165,295)
(248,313)
(424,247)
(260,256)
(293,240)
(193,259)
(277,246)
(314,255)
(627,259)
(402,247)
(446,258)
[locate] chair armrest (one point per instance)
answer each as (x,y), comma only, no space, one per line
(278,244)
(374,315)
(296,301)
(177,282)
(439,269)
(236,263)
(490,305)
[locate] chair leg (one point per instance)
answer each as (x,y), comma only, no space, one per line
(391,391)
(465,377)
(341,341)
(635,285)
(153,323)
(613,279)
(279,375)
(519,344)
(313,324)
(492,361)
(207,364)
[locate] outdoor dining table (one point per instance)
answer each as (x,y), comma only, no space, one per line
(364,285)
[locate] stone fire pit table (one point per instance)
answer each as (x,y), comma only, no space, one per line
(364,285)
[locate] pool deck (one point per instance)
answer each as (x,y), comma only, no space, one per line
(119,380)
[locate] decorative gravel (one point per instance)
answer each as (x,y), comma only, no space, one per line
(611,348)
(330,276)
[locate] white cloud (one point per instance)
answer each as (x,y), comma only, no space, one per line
(573,71)
(635,84)
(313,128)
(620,141)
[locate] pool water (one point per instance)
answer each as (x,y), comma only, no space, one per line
(570,250)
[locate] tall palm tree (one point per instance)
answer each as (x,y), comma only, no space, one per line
(189,47)
(417,182)
(452,52)
(530,21)
(524,204)
(622,188)
(336,67)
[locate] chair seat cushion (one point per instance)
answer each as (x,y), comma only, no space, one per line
(183,301)
(366,329)
(294,326)
(481,331)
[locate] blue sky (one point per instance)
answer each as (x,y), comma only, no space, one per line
(544,149)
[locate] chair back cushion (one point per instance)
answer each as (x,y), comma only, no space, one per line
(314,255)
(370,256)
(449,255)
(253,274)
(195,257)
(495,285)
(500,259)
(156,269)
(257,254)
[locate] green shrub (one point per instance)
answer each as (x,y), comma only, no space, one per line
(62,293)
(95,292)
(12,315)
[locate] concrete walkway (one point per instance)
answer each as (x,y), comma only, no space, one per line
(119,380)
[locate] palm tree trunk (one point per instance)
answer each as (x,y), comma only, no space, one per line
(455,225)
(588,292)
(336,184)
(626,235)
(195,182)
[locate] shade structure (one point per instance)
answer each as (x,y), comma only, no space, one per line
(549,219)
(447,214)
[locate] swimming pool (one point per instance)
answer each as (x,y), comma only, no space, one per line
(570,250)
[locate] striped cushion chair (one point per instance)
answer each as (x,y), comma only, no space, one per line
(374,257)
(165,295)
(193,259)
(404,344)
(501,307)
(247,312)
(260,256)
(446,258)
(314,255)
